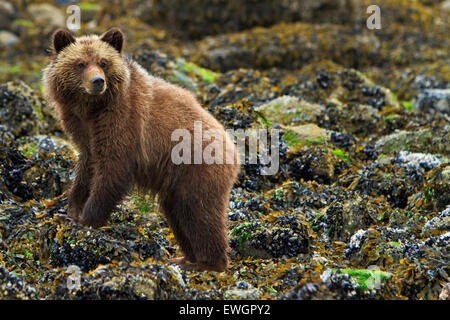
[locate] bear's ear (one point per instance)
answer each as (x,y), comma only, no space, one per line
(114,37)
(61,39)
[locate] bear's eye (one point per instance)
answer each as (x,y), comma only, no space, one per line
(81,65)
(103,64)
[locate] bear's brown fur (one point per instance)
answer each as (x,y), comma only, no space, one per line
(123,128)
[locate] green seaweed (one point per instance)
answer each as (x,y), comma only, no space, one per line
(341,154)
(366,279)
(207,75)
(240,227)
(390,117)
(24,23)
(89,6)
(407,105)
(291,139)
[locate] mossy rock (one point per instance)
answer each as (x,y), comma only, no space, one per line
(288,110)
(431,140)
(308,134)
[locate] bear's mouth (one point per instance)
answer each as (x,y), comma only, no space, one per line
(96,92)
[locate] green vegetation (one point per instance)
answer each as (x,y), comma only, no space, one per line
(341,154)
(144,203)
(407,105)
(207,75)
(244,234)
(366,279)
(24,23)
(390,117)
(291,139)
(89,6)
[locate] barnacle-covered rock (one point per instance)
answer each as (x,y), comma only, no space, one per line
(316,163)
(439,224)
(433,100)
(373,246)
(7,14)
(360,190)
(184,18)
(46,14)
(40,168)
(123,281)
(342,219)
(433,140)
(14,288)
(19,109)
(288,238)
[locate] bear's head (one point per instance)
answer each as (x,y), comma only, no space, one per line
(90,64)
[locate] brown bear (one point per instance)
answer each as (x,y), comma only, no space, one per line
(122,119)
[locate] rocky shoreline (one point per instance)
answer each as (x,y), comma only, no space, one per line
(360,206)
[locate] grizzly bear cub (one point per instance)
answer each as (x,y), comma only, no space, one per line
(122,120)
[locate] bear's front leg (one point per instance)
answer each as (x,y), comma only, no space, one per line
(112,148)
(79,192)
(110,184)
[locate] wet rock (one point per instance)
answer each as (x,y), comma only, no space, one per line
(424,140)
(422,82)
(342,220)
(52,160)
(288,239)
(235,85)
(7,14)
(433,100)
(146,282)
(373,246)
(436,187)
(316,163)
(14,288)
(12,165)
(231,16)
(419,161)
(427,280)
(445,292)
(260,48)
(294,45)
(8,39)
(243,293)
(45,14)
(438,224)
(342,140)
(239,115)
(41,170)
(176,70)
(445,5)
(20,109)
(343,284)
(308,134)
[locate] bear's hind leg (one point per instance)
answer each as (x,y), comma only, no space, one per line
(169,208)
(199,226)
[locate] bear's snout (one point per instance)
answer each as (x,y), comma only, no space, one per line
(94,80)
(98,83)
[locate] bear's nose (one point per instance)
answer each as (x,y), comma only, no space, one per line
(98,82)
